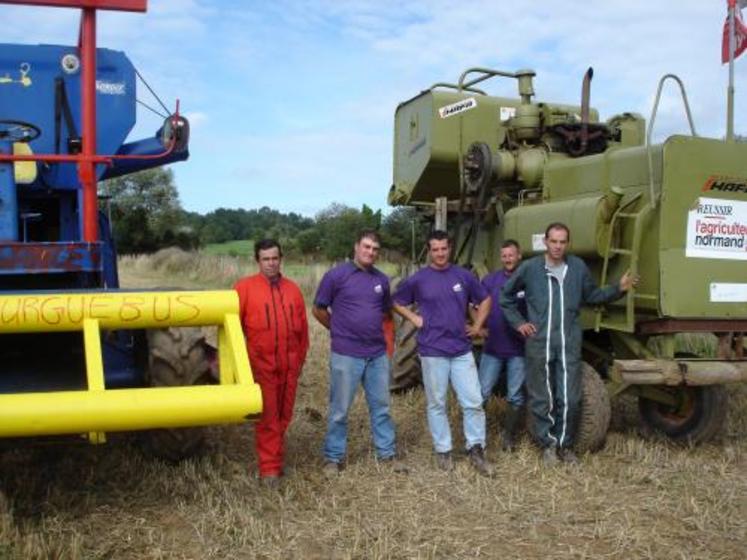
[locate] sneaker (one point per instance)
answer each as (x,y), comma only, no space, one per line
(550,456)
(271,482)
(331,469)
(477,457)
(568,457)
(444,461)
(394,464)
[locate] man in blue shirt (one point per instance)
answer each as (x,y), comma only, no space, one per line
(442,291)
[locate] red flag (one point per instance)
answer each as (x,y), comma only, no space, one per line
(740,35)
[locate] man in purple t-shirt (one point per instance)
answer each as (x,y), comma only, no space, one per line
(352,301)
(504,347)
(442,292)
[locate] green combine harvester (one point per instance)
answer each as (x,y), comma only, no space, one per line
(490,168)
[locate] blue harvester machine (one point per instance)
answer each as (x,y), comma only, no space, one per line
(80,356)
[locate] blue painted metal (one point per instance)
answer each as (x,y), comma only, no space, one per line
(31,95)
(51,255)
(153,145)
(8,197)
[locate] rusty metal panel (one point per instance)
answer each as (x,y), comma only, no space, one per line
(665,326)
(41,258)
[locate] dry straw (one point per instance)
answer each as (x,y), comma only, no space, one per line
(634,499)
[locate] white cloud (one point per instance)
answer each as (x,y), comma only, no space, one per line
(292,102)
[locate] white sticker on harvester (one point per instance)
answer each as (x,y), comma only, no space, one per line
(722,292)
(110,88)
(538,242)
(458,107)
(507,113)
(717,229)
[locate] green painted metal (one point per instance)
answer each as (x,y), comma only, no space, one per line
(605,197)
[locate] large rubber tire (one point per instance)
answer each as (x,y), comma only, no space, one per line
(405,371)
(698,416)
(176,357)
(594,416)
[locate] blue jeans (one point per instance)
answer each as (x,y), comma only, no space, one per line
(346,375)
(462,372)
(490,373)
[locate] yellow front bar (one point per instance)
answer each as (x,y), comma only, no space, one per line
(55,312)
(75,412)
(97,409)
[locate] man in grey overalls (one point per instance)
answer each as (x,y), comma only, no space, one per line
(555,285)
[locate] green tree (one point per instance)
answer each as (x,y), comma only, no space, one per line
(398,227)
(338,225)
(146,213)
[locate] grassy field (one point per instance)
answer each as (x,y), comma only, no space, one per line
(634,499)
(237,248)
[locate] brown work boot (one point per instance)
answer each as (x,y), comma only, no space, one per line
(568,457)
(331,469)
(394,464)
(550,456)
(271,481)
(444,461)
(477,457)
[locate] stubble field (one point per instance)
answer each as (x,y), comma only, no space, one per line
(635,499)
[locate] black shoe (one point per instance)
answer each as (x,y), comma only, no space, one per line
(510,425)
(477,458)
(444,461)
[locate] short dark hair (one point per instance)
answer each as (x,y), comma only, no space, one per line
(557,225)
(510,243)
(264,244)
(437,235)
(371,234)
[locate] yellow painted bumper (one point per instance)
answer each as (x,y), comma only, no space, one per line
(97,409)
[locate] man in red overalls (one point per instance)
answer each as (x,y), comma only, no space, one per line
(273,316)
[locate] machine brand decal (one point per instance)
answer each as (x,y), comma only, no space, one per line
(23,76)
(507,113)
(538,242)
(110,88)
(728,293)
(717,229)
(720,183)
(458,107)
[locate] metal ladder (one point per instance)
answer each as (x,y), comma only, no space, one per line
(631,253)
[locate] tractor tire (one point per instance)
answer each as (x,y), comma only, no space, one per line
(697,418)
(177,357)
(405,370)
(594,416)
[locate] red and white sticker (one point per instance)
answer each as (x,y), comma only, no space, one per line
(458,107)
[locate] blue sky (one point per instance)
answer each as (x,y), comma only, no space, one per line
(292,102)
